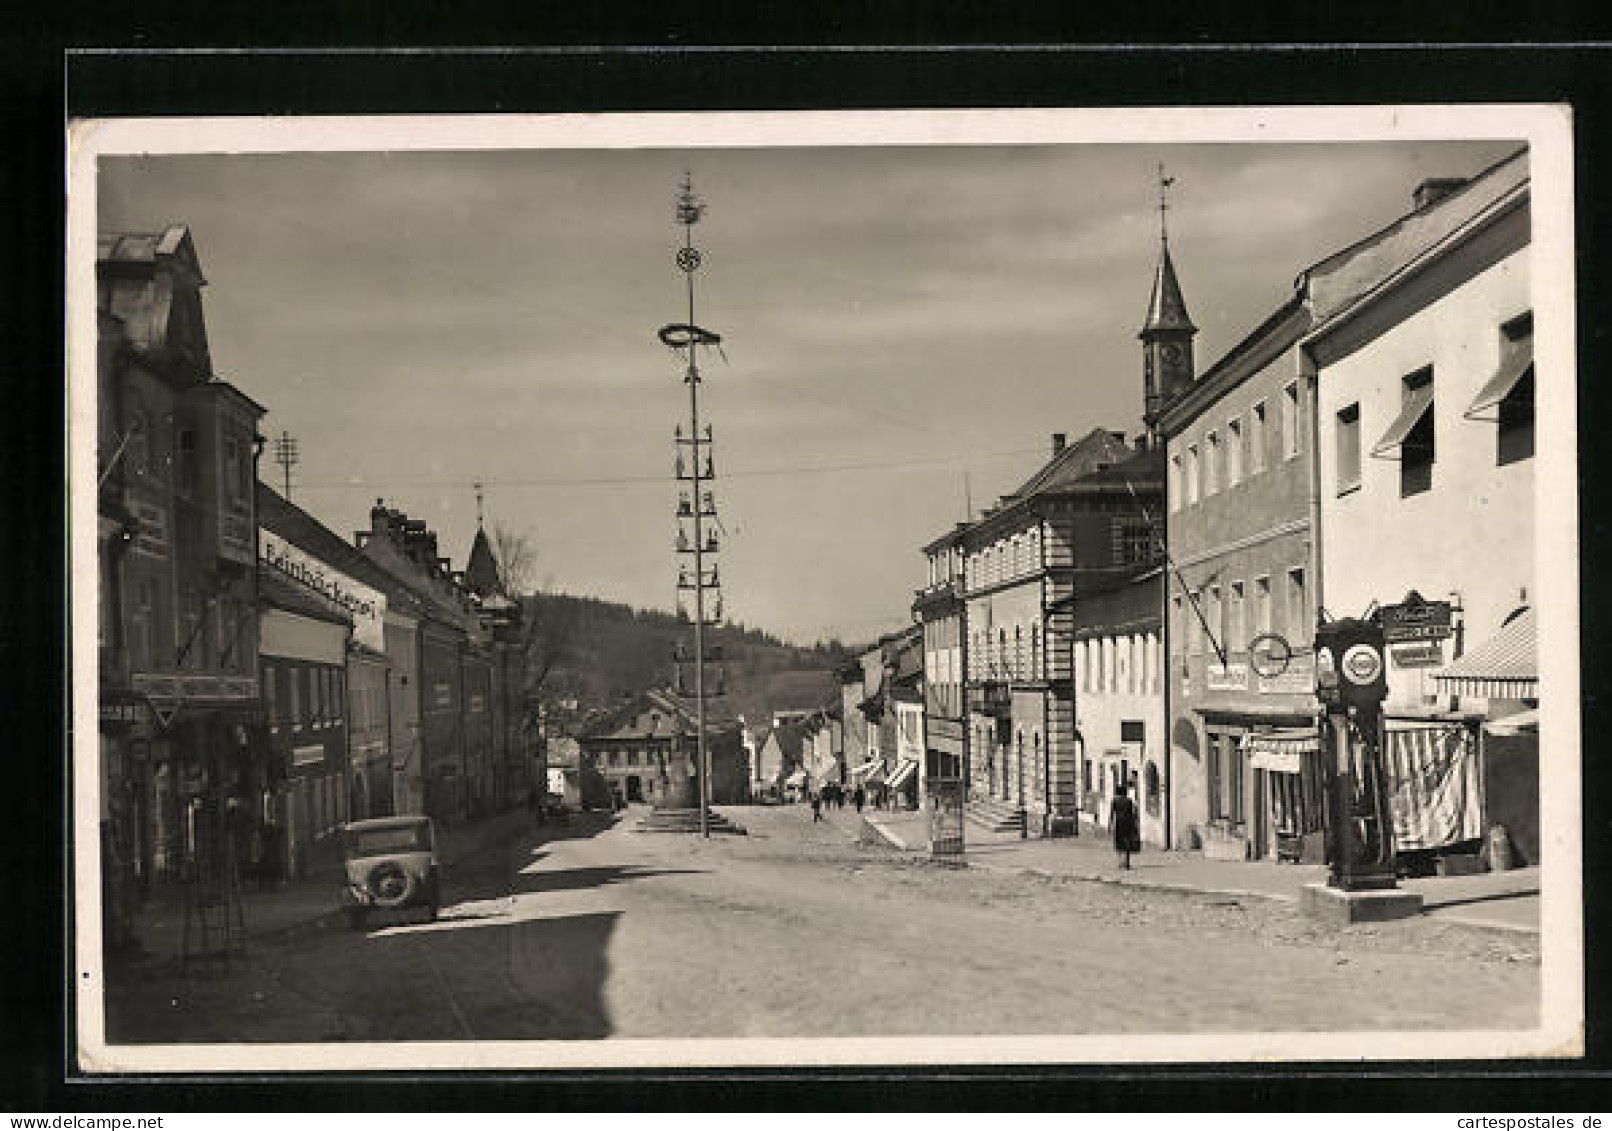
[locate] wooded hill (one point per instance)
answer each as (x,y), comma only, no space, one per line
(602,651)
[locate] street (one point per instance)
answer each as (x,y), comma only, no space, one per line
(596,930)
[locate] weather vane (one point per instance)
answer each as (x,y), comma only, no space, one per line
(1164,204)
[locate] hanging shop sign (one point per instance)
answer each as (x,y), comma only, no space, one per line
(200,687)
(308,755)
(1424,655)
(1415,619)
(365,605)
(1297,678)
(1226,677)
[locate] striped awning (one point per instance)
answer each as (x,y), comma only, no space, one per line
(1506,666)
(797,778)
(866,767)
(899,778)
(1280,751)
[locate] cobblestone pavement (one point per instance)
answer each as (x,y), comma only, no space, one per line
(797,930)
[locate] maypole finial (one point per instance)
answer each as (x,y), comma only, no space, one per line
(689,205)
(1164,204)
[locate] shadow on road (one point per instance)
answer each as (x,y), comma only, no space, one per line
(575,879)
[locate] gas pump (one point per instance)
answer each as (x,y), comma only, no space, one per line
(1351,686)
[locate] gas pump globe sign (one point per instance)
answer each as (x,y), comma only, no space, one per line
(1362,665)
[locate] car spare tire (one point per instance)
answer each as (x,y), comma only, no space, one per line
(390,884)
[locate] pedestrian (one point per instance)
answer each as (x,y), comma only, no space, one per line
(861,798)
(817,808)
(1122,820)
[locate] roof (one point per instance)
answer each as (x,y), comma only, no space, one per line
(481,571)
(282,593)
(1166,309)
(279,515)
(1505,666)
(1095,449)
(789,737)
(1347,277)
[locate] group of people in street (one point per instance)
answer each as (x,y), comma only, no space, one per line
(836,796)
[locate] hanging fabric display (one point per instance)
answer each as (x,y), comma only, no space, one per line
(1433,780)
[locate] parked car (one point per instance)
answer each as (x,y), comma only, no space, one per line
(391,865)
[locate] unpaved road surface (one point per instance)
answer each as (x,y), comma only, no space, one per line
(797,930)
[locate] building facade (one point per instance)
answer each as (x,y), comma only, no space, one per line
(1091,514)
(1119,674)
(182,760)
(1239,491)
(1425,461)
(938,608)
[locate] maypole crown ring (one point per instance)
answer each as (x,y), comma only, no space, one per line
(688,259)
(680,335)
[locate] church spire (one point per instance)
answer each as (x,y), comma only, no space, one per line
(1168,331)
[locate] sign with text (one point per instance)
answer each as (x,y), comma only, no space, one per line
(1423,655)
(365,605)
(1415,619)
(1227,677)
(1297,679)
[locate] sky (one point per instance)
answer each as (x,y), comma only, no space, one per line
(903,330)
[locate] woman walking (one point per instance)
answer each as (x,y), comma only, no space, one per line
(1127,832)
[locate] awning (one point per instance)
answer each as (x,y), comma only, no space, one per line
(865,767)
(1523,722)
(797,778)
(1281,751)
(899,778)
(1516,365)
(1505,666)
(1417,406)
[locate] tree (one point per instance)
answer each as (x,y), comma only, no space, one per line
(516,559)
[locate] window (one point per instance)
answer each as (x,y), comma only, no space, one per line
(1235,640)
(295,697)
(1131,540)
(1239,765)
(316,696)
(1514,439)
(1290,421)
(1180,622)
(1018,652)
(1215,613)
(1217,808)
(1175,483)
(1211,464)
(1418,448)
(185,460)
(1132,730)
(271,701)
(1234,452)
(1192,474)
(141,624)
(1036,669)
(1256,439)
(1348,448)
(1262,605)
(1298,613)
(232,468)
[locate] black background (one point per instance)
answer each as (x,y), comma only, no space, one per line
(650,63)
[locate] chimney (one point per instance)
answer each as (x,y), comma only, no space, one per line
(378,517)
(1435,189)
(1059,441)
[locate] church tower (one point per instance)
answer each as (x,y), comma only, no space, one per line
(1168,332)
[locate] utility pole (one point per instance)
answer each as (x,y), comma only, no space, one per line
(698,504)
(285,454)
